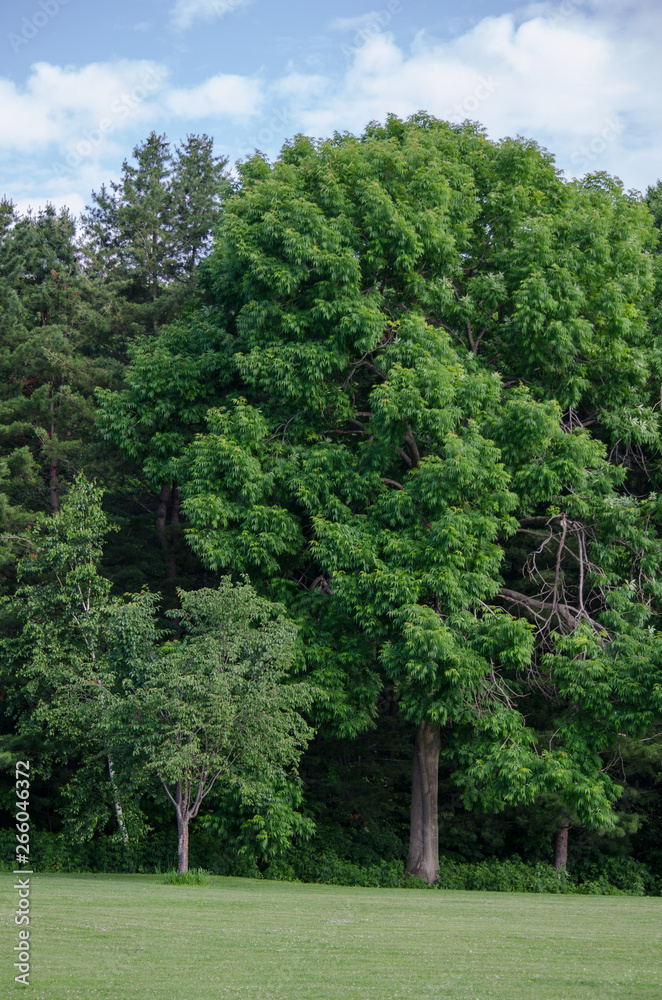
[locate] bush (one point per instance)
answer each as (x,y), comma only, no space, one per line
(605,876)
(623,874)
(627,878)
(328,869)
(509,875)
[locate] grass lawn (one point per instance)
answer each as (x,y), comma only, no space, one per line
(127,937)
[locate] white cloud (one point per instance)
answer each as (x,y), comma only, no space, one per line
(301,85)
(185,12)
(564,80)
(220,95)
(75,125)
(59,104)
(542,76)
(68,107)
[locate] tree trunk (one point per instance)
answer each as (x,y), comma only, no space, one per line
(174,506)
(423,859)
(166,546)
(53,487)
(182,841)
(118,805)
(561,844)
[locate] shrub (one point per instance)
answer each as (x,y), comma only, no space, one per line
(606,876)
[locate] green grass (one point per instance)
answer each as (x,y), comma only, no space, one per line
(129,937)
(194,876)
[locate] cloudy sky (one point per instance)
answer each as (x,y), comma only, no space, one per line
(81,82)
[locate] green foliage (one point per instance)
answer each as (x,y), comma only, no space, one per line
(70,649)
(264,827)
(417,327)
(53,355)
(412,394)
(194,876)
(491,875)
(169,387)
(144,235)
(329,869)
(213,706)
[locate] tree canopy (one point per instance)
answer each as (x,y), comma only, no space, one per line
(403,410)
(430,342)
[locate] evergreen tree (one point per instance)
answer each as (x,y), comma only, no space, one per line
(144,237)
(145,233)
(52,356)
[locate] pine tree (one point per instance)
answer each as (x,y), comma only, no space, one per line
(52,355)
(146,232)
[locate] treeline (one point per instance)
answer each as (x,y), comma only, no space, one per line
(375,432)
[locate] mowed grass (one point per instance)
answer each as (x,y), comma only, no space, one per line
(128,937)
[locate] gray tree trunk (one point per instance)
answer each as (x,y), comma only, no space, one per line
(561,844)
(423,859)
(117,803)
(165,495)
(182,843)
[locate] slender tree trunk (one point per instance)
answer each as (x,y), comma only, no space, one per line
(423,859)
(53,487)
(182,841)
(118,805)
(561,844)
(162,510)
(165,494)
(174,505)
(53,470)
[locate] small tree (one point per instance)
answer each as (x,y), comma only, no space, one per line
(98,681)
(214,707)
(67,646)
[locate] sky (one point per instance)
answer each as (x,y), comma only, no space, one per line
(82,81)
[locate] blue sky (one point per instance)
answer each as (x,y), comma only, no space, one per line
(81,82)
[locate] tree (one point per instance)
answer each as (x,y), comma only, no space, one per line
(371,465)
(214,707)
(97,678)
(52,355)
(69,650)
(169,385)
(145,234)
(144,237)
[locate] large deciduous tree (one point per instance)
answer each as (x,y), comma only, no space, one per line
(420,329)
